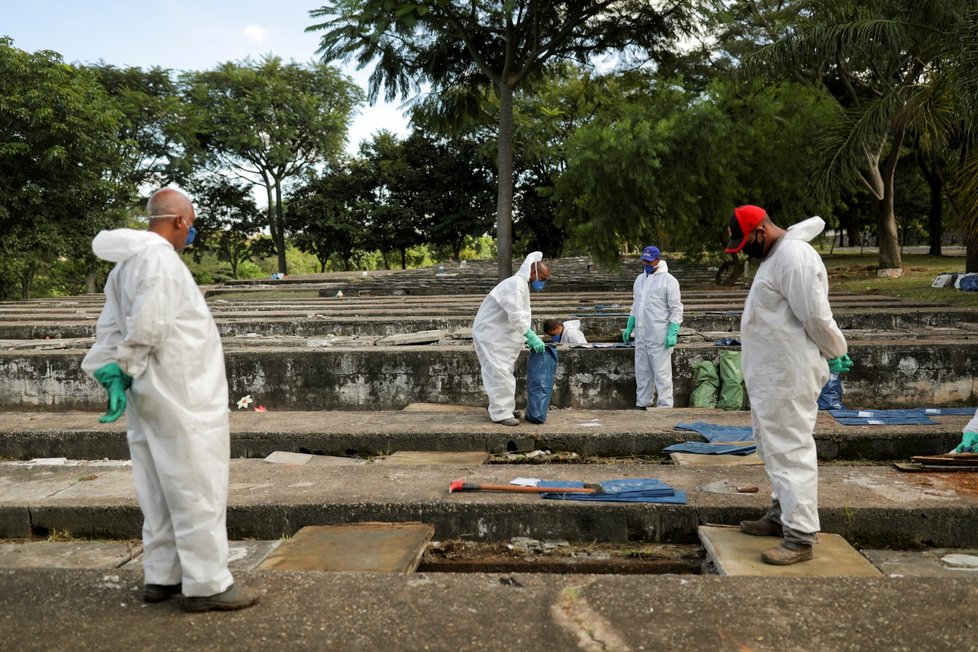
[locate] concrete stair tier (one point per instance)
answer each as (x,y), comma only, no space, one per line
(901,372)
(870,506)
(87,609)
(589,433)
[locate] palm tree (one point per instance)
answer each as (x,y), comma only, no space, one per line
(881,60)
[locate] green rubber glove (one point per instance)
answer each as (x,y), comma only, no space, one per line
(627,335)
(840,365)
(672,335)
(969,443)
(116,382)
(533,341)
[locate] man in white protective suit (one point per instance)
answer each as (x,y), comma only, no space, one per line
(657,312)
(788,332)
(500,328)
(156,338)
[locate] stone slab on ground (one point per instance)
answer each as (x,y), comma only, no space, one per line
(481,612)
(693,459)
(926,563)
(67,554)
(435,457)
(440,407)
(242,555)
(353,547)
(736,553)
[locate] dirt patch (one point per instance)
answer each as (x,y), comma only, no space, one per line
(962,482)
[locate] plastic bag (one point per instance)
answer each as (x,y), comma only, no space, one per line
(540,371)
(706,384)
(831,396)
(731,381)
(967,282)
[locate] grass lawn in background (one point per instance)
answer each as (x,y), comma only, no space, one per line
(857,273)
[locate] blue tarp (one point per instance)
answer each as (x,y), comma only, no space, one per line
(717,432)
(633,490)
(882,417)
(701,448)
(965,411)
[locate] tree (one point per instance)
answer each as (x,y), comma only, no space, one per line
(228,221)
(455,45)
(268,122)
(58,156)
(453,189)
(876,58)
(322,218)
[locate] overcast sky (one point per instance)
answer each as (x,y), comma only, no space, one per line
(181,35)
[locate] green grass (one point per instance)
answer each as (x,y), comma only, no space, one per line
(857,273)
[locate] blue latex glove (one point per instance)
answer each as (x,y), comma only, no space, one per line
(840,365)
(629,327)
(672,336)
(533,341)
(116,382)
(969,443)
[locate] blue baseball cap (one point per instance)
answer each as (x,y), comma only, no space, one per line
(650,254)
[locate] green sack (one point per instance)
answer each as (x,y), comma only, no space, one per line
(706,384)
(731,381)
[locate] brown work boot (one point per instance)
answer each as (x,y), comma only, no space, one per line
(235,597)
(159,592)
(508,422)
(762,527)
(787,553)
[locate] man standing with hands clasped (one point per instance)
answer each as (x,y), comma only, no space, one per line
(156,338)
(657,312)
(788,333)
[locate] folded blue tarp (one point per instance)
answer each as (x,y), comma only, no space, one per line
(965,411)
(633,490)
(701,448)
(882,418)
(717,432)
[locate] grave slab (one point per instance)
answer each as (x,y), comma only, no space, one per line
(736,553)
(436,457)
(67,554)
(939,562)
(357,547)
(692,459)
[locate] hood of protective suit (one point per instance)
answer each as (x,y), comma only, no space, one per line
(524,272)
(661,268)
(119,244)
(806,229)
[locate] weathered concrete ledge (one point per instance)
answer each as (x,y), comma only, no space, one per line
(887,374)
(444,612)
(869,505)
(590,433)
(606,327)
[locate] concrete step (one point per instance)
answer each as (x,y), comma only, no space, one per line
(933,372)
(870,506)
(85,609)
(590,433)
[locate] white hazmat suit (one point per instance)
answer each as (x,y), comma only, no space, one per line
(156,326)
(498,331)
(656,302)
(788,332)
(572,333)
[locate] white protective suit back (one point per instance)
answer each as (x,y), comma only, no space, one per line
(156,326)
(572,333)
(497,333)
(788,331)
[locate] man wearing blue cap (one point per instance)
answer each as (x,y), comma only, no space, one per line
(657,312)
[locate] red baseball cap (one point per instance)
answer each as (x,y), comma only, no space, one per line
(744,220)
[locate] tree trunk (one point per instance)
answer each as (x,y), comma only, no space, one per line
(504,196)
(936,217)
(279,233)
(889,243)
(971,258)
(403,258)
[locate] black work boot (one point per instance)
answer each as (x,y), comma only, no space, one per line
(235,597)
(787,553)
(159,592)
(762,527)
